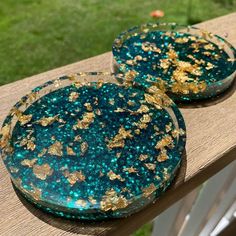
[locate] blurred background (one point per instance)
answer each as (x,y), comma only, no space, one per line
(38,35)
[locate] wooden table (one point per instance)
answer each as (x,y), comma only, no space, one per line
(211,145)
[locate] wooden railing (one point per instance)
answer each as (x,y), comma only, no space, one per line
(211,145)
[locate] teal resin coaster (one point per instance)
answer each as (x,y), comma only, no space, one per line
(189,64)
(84,147)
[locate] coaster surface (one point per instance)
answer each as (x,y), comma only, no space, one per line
(92,150)
(189,64)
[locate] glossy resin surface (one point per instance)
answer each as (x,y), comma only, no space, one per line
(92,150)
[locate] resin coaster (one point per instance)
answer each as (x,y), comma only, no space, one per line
(189,63)
(83,147)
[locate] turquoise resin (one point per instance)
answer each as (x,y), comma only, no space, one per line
(69,166)
(213,56)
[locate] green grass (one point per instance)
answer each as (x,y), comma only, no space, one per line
(38,35)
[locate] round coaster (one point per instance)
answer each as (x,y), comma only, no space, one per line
(190,63)
(83,147)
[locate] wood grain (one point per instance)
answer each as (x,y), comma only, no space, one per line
(211,145)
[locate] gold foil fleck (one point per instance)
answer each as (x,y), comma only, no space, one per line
(76,176)
(81,203)
(92,200)
(119,139)
(87,119)
(166,141)
(42,171)
(83,148)
(143,157)
(70,151)
(56,149)
(88,106)
(149,190)
(112,201)
(150,166)
(73,96)
(131,170)
(29,163)
(24,119)
(162,156)
(113,176)
(45,121)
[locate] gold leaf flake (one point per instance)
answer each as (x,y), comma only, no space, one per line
(143,109)
(24,119)
(168,127)
(45,121)
(118,155)
(112,201)
(92,200)
(70,151)
(23,142)
(172,54)
(137,131)
(5,131)
(164,64)
(120,95)
(88,106)
(42,171)
(149,190)
(119,109)
(81,203)
(76,176)
(150,166)
(43,152)
(181,40)
(98,112)
(113,176)
(131,103)
(118,140)
(143,157)
(176,132)
(77,138)
(73,96)
(100,83)
(83,148)
(133,95)
(87,119)
(209,66)
(146,118)
(29,163)
(130,75)
(138,58)
(166,141)
(153,100)
(209,47)
(131,170)
(130,62)
(31,145)
(111,101)
(56,149)
(162,156)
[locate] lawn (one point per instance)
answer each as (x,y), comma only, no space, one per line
(38,35)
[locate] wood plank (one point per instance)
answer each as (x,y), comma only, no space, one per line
(211,145)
